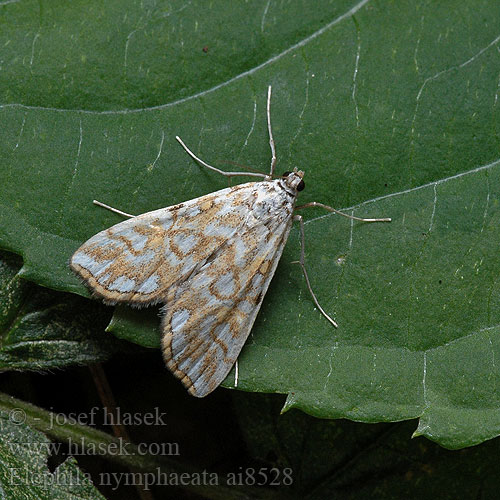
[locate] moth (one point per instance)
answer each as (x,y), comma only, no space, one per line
(209,261)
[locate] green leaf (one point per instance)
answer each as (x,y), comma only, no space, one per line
(391,109)
(24,472)
(41,329)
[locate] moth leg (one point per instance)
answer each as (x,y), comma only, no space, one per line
(115,210)
(271,139)
(215,169)
(303,266)
(330,209)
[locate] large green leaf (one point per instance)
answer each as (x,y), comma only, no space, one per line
(391,108)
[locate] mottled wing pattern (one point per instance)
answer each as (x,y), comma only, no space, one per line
(138,260)
(209,317)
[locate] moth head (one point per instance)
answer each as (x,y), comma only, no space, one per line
(294,180)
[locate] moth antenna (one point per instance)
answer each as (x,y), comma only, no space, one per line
(271,139)
(215,169)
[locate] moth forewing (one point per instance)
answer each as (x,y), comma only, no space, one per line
(137,260)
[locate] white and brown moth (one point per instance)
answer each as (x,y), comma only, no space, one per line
(209,261)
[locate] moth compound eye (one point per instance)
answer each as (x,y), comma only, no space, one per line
(286,174)
(301,185)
